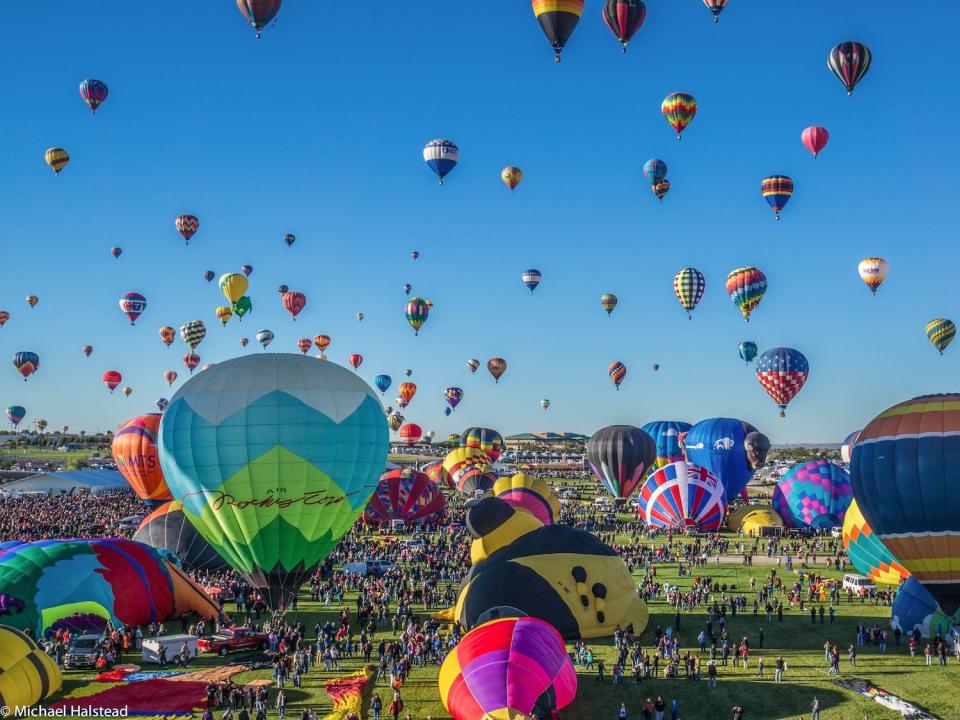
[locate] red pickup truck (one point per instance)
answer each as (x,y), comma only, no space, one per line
(231,639)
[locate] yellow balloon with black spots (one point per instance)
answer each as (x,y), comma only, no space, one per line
(27,674)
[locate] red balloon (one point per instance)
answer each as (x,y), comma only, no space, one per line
(410,434)
(304,344)
(356,360)
(815,138)
(191,360)
(111,378)
(293,302)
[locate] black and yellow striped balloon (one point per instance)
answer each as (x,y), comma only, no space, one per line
(27,674)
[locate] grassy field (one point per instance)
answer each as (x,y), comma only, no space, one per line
(796,639)
(11,453)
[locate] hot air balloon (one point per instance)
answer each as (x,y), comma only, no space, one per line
(264,337)
(395,421)
(814,139)
(57,159)
(558,19)
(846,447)
(660,189)
(28,675)
(617,372)
(497,367)
(688,285)
(293,302)
(170,376)
(32,300)
(356,361)
(187,225)
(729,448)
(407,391)
(224,313)
(407,288)
(487,440)
(244,342)
(135,454)
(289,239)
(905,479)
(915,609)
(473,364)
(4,316)
(416,312)
(453,396)
(849,61)
(531,278)
(777,191)
(414,255)
(624,18)
(545,403)
(940,332)
(654,171)
(241,307)
(525,492)
(259,13)
(168,529)
(93,93)
(866,551)
(87,350)
(281,289)
(814,494)
(233,286)
(406,495)
(447,411)
(167,335)
(308,434)
(441,156)
(16,413)
(666,437)
(304,344)
(679,109)
(401,403)
(209,275)
(410,434)
(716,7)
(873,271)
(746,286)
(26,363)
(619,456)
(408,372)
(656,366)
(608,301)
(682,495)
(511,176)
(322,342)
(782,372)
(116,251)
(359,317)
(246,270)
(191,361)
(748,351)
(193,333)
(383,383)
(111,378)
(132,304)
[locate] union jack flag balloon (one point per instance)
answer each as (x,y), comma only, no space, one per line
(782,373)
(680,495)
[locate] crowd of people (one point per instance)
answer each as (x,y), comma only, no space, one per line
(30,517)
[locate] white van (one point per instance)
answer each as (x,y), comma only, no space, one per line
(150,649)
(857,583)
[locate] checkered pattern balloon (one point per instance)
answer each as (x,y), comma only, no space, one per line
(782,373)
(815,494)
(689,285)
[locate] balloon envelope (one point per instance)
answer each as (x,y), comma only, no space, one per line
(867,552)
(619,455)
(135,453)
(487,440)
(666,437)
(406,495)
(729,448)
(167,528)
(814,494)
(681,495)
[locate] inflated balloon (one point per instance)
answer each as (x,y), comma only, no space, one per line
(289,239)
(608,301)
(474,480)
(406,495)
(660,189)
(525,492)
(16,413)
(4,316)
(777,191)
(193,333)
(116,251)
(298,448)
(170,376)
(246,270)
(689,285)
(134,451)
(233,286)
(57,159)
(26,363)
(682,495)
(282,289)
(93,92)
(407,288)
(87,350)
(191,361)
(453,396)
(849,61)
(441,156)
(241,307)
(259,13)
(656,366)
(814,139)
(757,518)
(167,529)
(617,372)
(729,448)
(28,675)
(32,300)
(654,171)
(304,344)
(293,302)
(867,552)
(244,342)
(459,458)
(511,177)
(746,286)
(322,342)
(407,391)
(531,278)
(395,421)
(127,391)
(716,7)
(558,19)
(545,403)
(679,109)
(915,609)
(873,271)
(940,332)
(382,382)
(401,403)
(473,364)
(355,360)
(487,440)
(132,305)
(224,313)
(414,255)
(112,378)
(410,434)
(905,479)
(359,317)
(187,226)
(497,367)
(508,668)
(814,494)
(264,337)
(666,438)
(782,373)
(209,275)
(417,313)
(624,18)
(434,470)
(167,335)
(408,372)
(619,456)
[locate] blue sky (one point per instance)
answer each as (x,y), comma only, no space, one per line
(317,129)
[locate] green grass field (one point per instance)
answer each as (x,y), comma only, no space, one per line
(44,454)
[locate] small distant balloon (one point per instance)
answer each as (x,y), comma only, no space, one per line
(940,332)
(170,376)
(716,7)
(679,109)
(112,378)
(187,226)
(87,350)
(264,337)
(191,361)
(414,255)
(814,139)
(873,271)
(26,363)
(246,269)
(289,239)
(608,301)
(259,13)
(132,305)
(441,156)
(293,302)
(304,344)
(57,159)
(116,251)
(93,92)
(624,18)
(531,278)
(167,335)
(748,351)
(209,275)
(777,191)
(32,300)
(497,367)
(511,177)
(473,364)
(617,372)
(356,360)
(849,62)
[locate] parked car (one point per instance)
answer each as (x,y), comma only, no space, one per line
(857,583)
(227,641)
(131,523)
(83,652)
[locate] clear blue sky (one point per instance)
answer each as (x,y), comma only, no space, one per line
(317,129)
